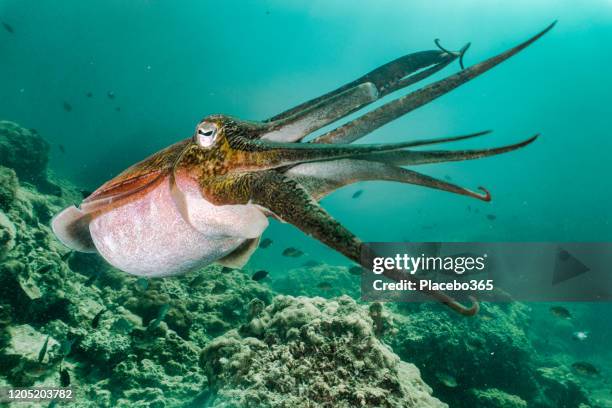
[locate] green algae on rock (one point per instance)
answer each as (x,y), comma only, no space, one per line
(494,398)
(8,187)
(311,352)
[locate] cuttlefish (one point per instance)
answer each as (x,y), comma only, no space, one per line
(208,198)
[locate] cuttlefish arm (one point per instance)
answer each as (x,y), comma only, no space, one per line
(322,178)
(297,122)
(288,201)
(390,111)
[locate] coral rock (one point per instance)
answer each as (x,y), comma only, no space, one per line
(311,352)
(23,150)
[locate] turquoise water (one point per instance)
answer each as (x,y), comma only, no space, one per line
(169,64)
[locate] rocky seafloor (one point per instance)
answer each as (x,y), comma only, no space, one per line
(216,338)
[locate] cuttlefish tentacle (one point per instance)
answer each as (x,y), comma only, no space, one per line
(382,115)
(322,178)
(295,123)
(291,203)
(416,157)
(265,155)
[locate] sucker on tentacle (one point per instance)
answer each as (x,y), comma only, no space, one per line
(208,198)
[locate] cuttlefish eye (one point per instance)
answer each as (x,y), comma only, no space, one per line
(206,134)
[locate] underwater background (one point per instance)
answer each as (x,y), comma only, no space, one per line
(96,86)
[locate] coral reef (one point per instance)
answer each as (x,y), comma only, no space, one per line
(311,352)
(319,280)
(487,360)
(8,187)
(24,151)
(218,338)
(494,398)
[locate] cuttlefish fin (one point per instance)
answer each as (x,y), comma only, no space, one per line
(139,178)
(71,227)
(241,255)
(289,201)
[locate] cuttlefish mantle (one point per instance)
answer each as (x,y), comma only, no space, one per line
(208,198)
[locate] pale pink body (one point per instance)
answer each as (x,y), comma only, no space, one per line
(169,232)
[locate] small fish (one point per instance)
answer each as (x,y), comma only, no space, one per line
(585,368)
(259,275)
(96,320)
(110,94)
(67,107)
(66,347)
(89,94)
(118,109)
(266,242)
(163,311)
(292,252)
(561,312)
(469,208)
(357,194)
(61,148)
(355,270)
(8,27)
(65,256)
(85,193)
(64,377)
(43,350)
(491,217)
(580,335)
(123,326)
(324,286)
(142,284)
(311,263)
(447,177)
(447,380)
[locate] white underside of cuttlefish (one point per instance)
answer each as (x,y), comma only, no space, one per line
(158,234)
